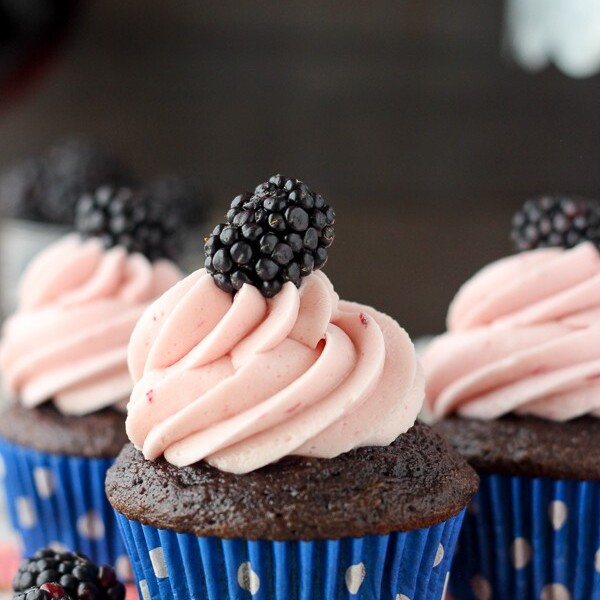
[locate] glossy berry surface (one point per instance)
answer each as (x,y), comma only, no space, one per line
(51,575)
(556,221)
(131,219)
(280,232)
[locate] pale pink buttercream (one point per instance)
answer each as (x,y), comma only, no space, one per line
(524,337)
(241,381)
(78,305)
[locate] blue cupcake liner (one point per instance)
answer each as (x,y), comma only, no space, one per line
(526,538)
(59,501)
(400,566)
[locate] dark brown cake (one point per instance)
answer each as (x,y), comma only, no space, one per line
(416,482)
(515,445)
(99,435)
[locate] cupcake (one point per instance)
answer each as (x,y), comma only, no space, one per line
(274,448)
(515,387)
(63,358)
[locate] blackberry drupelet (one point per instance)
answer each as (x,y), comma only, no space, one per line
(556,221)
(55,573)
(280,232)
(132,219)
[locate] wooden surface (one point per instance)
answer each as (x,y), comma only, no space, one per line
(405,115)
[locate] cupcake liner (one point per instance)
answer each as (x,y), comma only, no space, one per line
(399,566)
(59,501)
(525,538)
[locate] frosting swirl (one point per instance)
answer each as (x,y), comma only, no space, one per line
(523,337)
(78,304)
(243,381)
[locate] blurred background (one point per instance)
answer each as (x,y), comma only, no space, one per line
(424,123)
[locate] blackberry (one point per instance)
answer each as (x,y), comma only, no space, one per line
(21,187)
(280,232)
(47,189)
(556,221)
(48,574)
(186,196)
(130,218)
(73,168)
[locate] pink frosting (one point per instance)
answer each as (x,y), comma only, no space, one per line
(243,381)
(523,337)
(78,305)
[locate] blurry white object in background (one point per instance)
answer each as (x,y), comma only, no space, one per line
(563,32)
(20,241)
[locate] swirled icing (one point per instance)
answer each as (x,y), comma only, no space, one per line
(78,305)
(242,381)
(523,337)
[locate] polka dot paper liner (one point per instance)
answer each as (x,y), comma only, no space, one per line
(400,566)
(59,501)
(528,538)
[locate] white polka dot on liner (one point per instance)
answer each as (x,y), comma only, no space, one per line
(247,579)
(355,576)
(520,553)
(123,568)
(44,482)
(403,597)
(26,514)
(555,591)
(91,526)
(2,468)
(157,558)
(481,588)
(58,547)
(439,556)
(145,590)
(597,560)
(557,512)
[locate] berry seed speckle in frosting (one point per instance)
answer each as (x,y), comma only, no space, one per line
(255,357)
(524,333)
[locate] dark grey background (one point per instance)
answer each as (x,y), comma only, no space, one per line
(404,114)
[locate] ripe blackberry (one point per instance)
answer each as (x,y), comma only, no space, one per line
(48,574)
(47,188)
(129,218)
(280,232)
(73,168)
(186,196)
(556,221)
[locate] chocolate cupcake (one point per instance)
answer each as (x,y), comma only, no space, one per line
(274,447)
(63,357)
(515,387)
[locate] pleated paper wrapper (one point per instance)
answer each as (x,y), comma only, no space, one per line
(528,538)
(59,501)
(399,566)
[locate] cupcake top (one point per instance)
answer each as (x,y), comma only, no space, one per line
(255,357)
(78,303)
(523,334)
